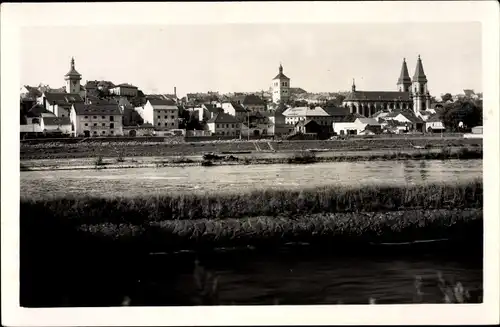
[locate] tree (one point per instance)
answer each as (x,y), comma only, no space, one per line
(467,112)
(446,97)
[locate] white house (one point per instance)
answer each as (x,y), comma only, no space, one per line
(434,124)
(96,120)
(355,124)
(56,125)
(124,90)
(404,118)
(235,109)
(162,114)
(224,124)
(318,114)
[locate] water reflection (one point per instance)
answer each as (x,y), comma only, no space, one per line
(145,181)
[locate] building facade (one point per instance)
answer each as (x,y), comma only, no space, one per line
(96,120)
(280,87)
(124,89)
(162,114)
(411,94)
(224,124)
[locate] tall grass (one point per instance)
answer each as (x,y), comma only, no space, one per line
(330,199)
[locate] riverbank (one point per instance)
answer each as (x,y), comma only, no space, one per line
(302,157)
(59,150)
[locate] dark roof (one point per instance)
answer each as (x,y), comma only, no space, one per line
(252,99)
(63,98)
(222,117)
(419,75)
(211,107)
(126,85)
(281,76)
(378,96)
(161,102)
(56,121)
(37,111)
(350,118)
(91,85)
(73,72)
(91,109)
(33,90)
(306,122)
(337,111)
(404,77)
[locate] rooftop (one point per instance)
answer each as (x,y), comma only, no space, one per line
(378,96)
(305,112)
(91,109)
(222,117)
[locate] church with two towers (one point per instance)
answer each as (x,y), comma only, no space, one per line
(411,94)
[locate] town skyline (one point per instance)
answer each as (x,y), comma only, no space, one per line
(244,57)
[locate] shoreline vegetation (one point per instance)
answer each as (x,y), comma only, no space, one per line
(303,157)
(382,212)
(103,242)
(61,150)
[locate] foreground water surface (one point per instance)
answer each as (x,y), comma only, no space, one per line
(144,181)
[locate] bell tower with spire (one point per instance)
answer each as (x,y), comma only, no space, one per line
(280,87)
(404,81)
(73,79)
(420,93)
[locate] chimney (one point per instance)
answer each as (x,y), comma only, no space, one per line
(175,91)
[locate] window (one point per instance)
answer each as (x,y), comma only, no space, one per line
(103,124)
(159,117)
(173,124)
(95,132)
(166,117)
(104,132)
(173,117)
(102,117)
(95,124)
(95,117)
(112,125)
(86,117)
(111,132)
(86,124)
(217,125)
(232,125)
(166,124)
(111,118)
(159,124)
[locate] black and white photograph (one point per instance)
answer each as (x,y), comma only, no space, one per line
(206,156)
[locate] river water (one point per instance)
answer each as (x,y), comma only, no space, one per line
(146,181)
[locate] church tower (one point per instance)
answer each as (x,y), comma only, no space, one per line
(421,96)
(280,87)
(73,79)
(404,81)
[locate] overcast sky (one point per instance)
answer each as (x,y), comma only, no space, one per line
(232,58)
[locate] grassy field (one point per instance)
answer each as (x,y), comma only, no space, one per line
(54,150)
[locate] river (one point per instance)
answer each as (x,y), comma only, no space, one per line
(146,181)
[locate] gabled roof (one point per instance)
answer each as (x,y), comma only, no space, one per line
(306,122)
(237,107)
(56,121)
(405,113)
(280,74)
(305,112)
(222,117)
(378,96)
(63,98)
(91,109)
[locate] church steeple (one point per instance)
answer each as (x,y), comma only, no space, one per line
(353,87)
(73,79)
(280,69)
(419,75)
(404,81)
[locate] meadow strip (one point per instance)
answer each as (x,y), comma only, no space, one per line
(190,206)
